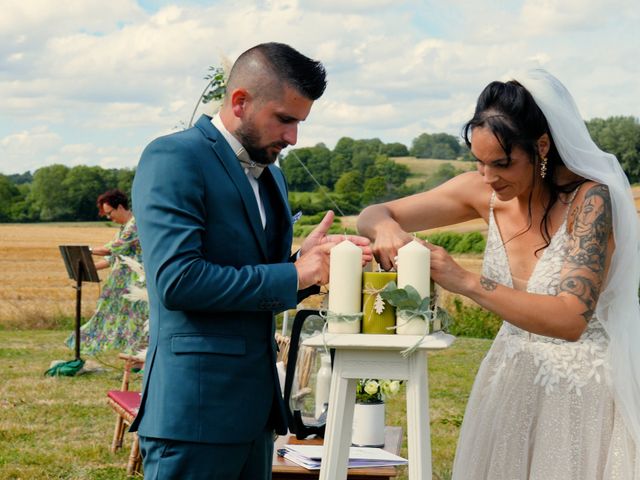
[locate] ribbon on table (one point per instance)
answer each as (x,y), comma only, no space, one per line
(336,317)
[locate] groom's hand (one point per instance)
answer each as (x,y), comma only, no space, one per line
(313,266)
(319,236)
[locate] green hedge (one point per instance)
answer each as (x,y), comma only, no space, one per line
(472,321)
(453,242)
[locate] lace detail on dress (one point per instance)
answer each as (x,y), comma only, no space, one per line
(558,362)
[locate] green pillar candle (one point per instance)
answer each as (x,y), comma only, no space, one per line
(373,322)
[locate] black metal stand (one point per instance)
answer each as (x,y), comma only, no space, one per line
(78,288)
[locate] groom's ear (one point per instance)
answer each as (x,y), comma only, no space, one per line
(240,98)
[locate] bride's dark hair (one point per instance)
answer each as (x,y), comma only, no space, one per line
(509,111)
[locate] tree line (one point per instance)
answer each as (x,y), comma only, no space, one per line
(353,174)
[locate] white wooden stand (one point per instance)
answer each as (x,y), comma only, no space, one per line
(377,356)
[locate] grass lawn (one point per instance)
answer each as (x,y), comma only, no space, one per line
(61,428)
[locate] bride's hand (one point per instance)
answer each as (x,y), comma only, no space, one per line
(445,271)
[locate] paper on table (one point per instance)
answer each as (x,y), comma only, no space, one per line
(310,456)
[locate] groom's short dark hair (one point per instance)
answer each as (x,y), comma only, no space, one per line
(282,64)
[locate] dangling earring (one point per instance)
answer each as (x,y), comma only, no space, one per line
(543,167)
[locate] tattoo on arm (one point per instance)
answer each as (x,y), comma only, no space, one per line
(586,291)
(587,256)
(488,284)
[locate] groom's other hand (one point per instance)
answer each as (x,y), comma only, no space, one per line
(320,236)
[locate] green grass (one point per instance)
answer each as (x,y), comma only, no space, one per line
(61,428)
(54,428)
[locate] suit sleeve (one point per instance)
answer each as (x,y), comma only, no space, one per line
(168,202)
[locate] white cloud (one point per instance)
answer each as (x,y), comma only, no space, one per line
(26,150)
(107,77)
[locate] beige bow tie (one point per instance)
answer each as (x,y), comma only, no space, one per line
(254,168)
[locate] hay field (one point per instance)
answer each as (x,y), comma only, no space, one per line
(421,168)
(35,291)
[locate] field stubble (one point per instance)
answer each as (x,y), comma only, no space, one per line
(35,290)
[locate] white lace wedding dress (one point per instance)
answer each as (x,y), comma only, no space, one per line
(541,408)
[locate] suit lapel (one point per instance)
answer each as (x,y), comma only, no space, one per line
(282,211)
(238,177)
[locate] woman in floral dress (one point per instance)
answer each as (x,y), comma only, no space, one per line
(119,320)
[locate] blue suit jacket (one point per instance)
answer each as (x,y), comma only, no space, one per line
(210,374)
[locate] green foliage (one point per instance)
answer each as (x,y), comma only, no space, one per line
(316,159)
(437,145)
(59,193)
(395,149)
(349,183)
(445,172)
(48,197)
(375,189)
(314,219)
(457,243)
(216,87)
(472,321)
(9,194)
(620,136)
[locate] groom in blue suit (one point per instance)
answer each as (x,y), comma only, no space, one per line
(216,232)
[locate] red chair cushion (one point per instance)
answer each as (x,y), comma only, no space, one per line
(129,401)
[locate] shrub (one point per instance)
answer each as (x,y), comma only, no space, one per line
(472,321)
(453,242)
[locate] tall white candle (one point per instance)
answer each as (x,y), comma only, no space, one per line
(414,263)
(345,285)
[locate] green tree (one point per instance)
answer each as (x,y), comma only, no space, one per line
(375,189)
(437,145)
(395,149)
(9,195)
(83,185)
(48,197)
(349,184)
(445,172)
(339,164)
(395,174)
(345,147)
(621,137)
(317,160)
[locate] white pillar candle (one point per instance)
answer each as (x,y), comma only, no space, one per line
(414,263)
(345,285)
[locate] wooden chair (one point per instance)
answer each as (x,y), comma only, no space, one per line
(126,404)
(283,343)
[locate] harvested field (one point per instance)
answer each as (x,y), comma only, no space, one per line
(35,291)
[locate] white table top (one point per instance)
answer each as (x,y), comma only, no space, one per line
(360,341)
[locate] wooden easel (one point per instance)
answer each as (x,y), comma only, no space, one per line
(80,267)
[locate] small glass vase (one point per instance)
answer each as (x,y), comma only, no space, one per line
(368,424)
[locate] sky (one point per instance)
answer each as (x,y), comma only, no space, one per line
(91,82)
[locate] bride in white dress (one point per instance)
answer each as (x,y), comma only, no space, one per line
(558,395)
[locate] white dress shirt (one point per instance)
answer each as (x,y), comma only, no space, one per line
(238,149)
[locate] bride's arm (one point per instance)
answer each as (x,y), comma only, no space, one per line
(387,224)
(565,315)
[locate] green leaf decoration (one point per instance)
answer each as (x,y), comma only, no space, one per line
(414,296)
(444,317)
(425,305)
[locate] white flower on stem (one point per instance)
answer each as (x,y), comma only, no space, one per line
(390,387)
(371,387)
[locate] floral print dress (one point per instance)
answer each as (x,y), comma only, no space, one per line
(118,322)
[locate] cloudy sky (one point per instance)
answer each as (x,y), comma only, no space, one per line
(92,81)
